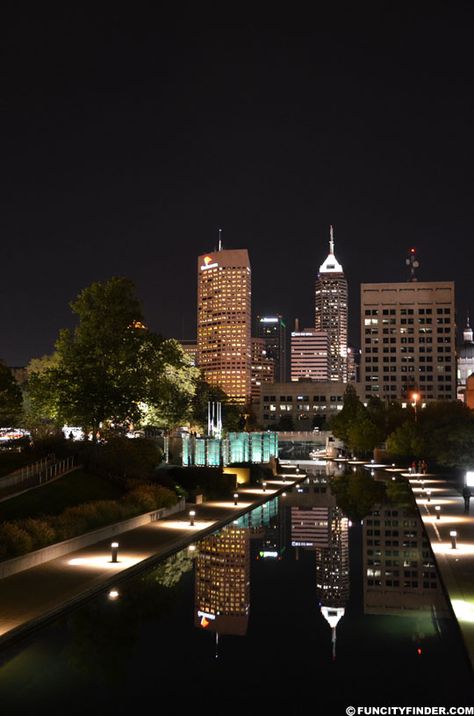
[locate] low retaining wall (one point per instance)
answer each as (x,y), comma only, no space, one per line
(39,556)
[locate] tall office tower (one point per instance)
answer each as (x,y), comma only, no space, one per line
(222,582)
(465,361)
(331,311)
(309,355)
(224,321)
(408,337)
(273,330)
(263,368)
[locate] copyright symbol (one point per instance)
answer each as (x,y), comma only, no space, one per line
(350,711)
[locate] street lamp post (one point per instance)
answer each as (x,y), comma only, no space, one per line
(192,515)
(453,534)
(114,550)
(415,398)
(236,497)
(428,495)
(438,511)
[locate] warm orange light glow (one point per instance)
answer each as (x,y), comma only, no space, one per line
(204,622)
(207,260)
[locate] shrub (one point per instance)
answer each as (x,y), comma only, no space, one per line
(41,531)
(14,540)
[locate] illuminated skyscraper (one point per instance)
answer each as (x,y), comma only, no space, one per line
(224,321)
(273,330)
(263,368)
(331,311)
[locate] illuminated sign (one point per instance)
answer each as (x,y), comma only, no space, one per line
(208,263)
(269,320)
(268,553)
(206,615)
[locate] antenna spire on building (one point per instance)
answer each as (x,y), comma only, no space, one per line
(413,263)
(220,240)
(331,239)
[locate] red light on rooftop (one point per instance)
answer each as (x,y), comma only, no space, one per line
(418,651)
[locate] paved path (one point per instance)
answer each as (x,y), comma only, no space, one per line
(456,566)
(31,597)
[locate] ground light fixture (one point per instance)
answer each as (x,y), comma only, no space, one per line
(428,495)
(236,497)
(192,515)
(264,485)
(453,534)
(438,511)
(113,594)
(114,551)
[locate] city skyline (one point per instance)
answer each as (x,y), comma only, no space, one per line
(127,145)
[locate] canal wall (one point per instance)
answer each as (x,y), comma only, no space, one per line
(45,554)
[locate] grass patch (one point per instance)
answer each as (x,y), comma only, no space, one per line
(72,489)
(11,461)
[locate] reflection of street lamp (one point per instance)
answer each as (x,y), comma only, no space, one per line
(415,397)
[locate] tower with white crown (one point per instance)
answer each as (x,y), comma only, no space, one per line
(331,311)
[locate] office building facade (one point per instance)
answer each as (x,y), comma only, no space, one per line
(224,321)
(408,337)
(310,355)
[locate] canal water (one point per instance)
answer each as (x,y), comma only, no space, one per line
(325,595)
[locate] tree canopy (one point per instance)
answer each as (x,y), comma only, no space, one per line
(10,398)
(111,369)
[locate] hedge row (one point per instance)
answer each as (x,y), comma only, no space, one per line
(22,536)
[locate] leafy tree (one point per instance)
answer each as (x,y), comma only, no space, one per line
(10,397)
(351,412)
(357,494)
(406,441)
(363,435)
(110,368)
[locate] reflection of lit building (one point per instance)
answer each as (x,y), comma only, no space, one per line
(223,341)
(317,523)
(400,573)
(222,586)
(332,571)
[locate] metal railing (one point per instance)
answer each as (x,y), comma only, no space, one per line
(38,472)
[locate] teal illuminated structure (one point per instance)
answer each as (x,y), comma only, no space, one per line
(236,447)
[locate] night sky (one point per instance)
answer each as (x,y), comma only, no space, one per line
(129,137)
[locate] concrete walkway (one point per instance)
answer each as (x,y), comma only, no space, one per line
(30,598)
(456,566)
